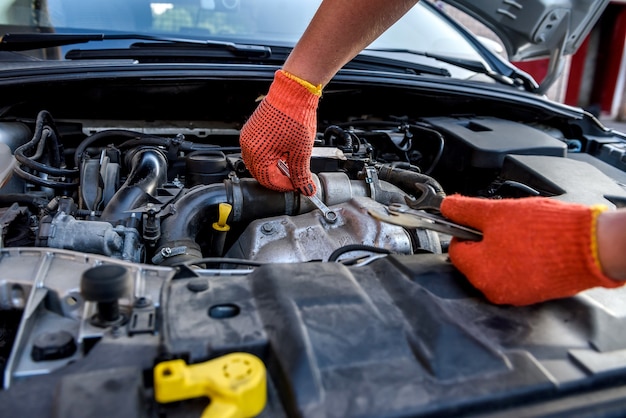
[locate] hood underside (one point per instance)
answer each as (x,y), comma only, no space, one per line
(533,29)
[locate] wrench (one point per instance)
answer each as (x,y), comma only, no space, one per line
(428,200)
(402,215)
(328,214)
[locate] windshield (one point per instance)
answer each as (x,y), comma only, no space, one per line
(265,22)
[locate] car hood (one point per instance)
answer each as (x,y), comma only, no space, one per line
(536,28)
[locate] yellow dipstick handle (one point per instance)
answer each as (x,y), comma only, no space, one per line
(224,210)
(235,383)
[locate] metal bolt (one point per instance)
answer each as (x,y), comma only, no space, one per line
(116,331)
(142,302)
(267,228)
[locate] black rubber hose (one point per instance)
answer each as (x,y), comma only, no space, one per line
(406,179)
(260,202)
(149,172)
(98,136)
(31,163)
(189,215)
(53,184)
(23,199)
(44,119)
(45,136)
(337,136)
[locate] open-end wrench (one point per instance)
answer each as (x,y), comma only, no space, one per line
(402,215)
(428,200)
(328,214)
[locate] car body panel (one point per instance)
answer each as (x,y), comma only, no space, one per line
(533,29)
(127,169)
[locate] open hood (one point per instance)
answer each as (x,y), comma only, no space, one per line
(537,28)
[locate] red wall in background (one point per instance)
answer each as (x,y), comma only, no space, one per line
(537,68)
(576,73)
(610,53)
(607,65)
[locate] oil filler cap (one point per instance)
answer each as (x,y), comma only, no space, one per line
(235,383)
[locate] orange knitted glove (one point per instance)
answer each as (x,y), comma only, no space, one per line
(283,126)
(533,249)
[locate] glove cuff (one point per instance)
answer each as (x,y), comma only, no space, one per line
(596,267)
(596,210)
(316,90)
(293,99)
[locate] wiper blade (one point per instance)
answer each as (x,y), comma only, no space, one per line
(162,51)
(467,64)
(29,41)
(371,62)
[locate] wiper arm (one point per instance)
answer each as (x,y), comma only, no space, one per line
(471,65)
(371,62)
(29,41)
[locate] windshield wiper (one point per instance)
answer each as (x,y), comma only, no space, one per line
(372,62)
(164,48)
(29,41)
(467,64)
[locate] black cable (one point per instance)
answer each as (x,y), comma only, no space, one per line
(442,143)
(356,247)
(219,260)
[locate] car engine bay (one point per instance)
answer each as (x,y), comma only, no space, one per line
(133,234)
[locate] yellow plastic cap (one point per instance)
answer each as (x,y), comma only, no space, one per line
(224,210)
(235,383)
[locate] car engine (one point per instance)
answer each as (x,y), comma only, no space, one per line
(127,242)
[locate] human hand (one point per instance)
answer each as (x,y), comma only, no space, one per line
(533,249)
(283,126)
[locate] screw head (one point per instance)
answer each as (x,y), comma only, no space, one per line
(267,228)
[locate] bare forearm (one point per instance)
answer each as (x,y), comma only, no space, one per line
(339,30)
(612,243)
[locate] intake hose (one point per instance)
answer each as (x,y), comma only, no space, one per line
(252,201)
(198,207)
(190,213)
(148,173)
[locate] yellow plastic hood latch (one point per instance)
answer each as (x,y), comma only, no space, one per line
(235,383)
